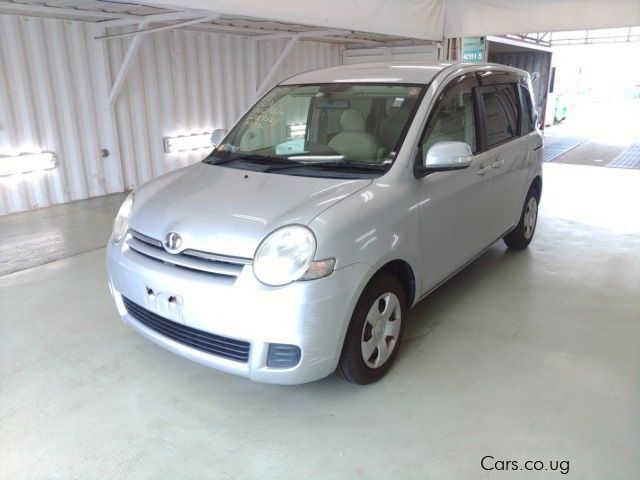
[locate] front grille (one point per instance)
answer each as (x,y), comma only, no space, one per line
(221,265)
(237,350)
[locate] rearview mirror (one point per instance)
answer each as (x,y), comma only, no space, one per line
(444,156)
(217,136)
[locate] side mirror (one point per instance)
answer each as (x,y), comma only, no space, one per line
(217,136)
(444,156)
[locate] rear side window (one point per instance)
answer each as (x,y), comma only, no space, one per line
(527,124)
(501,113)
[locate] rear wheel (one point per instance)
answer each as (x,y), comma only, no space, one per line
(375,332)
(520,237)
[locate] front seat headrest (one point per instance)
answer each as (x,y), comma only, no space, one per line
(352,121)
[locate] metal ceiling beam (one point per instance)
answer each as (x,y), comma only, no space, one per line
(260,34)
(120,19)
(337,36)
(65,3)
(158,17)
(303,34)
(363,41)
(139,32)
(133,48)
(267,79)
(26,9)
(126,65)
(235,30)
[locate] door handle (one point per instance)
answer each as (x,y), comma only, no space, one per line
(483,169)
(498,163)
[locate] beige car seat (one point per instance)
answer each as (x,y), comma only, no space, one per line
(354,142)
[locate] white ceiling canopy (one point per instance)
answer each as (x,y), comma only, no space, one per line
(468,18)
(373,22)
(430,19)
(418,19)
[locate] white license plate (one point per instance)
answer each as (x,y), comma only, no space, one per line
(167,305)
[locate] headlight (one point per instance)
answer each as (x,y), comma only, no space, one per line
(284,256)
(121,223)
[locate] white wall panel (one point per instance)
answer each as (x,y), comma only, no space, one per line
(192,82)
(50,101)
(181,83)
(408,53)
(304,56)
(53,97)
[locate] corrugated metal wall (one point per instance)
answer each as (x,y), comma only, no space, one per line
(304,56)
(50,101)
(181,83)
(53,97)
(408,53)
(191,82)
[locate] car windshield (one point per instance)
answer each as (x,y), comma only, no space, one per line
(351,129)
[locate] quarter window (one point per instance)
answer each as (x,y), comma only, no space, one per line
(453,119)
(501,113)
(528,124)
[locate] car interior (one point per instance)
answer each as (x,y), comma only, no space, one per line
(361,123)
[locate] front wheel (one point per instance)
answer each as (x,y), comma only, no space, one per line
(520,237)
(375,332)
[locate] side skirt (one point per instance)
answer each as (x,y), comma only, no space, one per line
(464,265)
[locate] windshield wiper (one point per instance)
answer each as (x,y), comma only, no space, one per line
(331,165)
(266,159)
(275,163)
(211,159)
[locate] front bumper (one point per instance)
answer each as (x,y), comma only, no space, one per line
(312,315)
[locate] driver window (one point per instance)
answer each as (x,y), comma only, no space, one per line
(453,119)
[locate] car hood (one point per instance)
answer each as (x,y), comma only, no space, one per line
(229,211)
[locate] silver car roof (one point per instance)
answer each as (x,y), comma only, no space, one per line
(388,72)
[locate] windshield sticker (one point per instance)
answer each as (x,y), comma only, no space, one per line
(265,115)
(228,147)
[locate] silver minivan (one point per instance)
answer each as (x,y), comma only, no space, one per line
(336,203)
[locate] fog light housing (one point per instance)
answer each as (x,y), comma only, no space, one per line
(282,355)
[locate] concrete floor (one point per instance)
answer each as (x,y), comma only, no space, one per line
(522,356)
(605,140)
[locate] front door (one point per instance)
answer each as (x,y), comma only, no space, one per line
(453,205)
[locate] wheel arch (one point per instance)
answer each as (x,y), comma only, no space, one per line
(401,270)
(537,184)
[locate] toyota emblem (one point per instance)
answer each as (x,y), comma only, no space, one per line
(172,242)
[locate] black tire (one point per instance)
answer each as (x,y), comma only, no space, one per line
(520,237)
(352,366)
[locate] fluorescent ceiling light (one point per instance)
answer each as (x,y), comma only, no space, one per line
(26,162)
(187,142)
